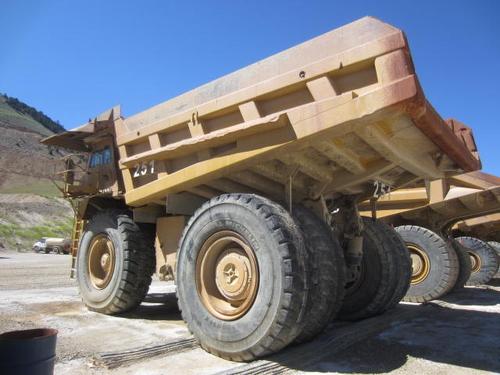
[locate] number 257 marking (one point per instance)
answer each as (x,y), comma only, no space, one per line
(144,168)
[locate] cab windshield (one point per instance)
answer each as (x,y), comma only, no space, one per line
(100,157)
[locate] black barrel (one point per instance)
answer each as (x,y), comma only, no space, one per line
(30,352)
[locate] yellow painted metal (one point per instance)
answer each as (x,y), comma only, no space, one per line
(421,264)
(337,112)
(76,234)
(475,261)
(445,204)
(486,227)
(227,275)
(101,261)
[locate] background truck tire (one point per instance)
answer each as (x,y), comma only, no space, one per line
(326,270)
(381,275)
(265,231)
(464,265)
(438,266)
(484,260)
(495,245)
(115,262)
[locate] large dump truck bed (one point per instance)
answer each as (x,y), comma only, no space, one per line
(326,117)
(336,112)
(485,227)
(443,203)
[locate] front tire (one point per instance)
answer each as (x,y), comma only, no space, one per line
(115,262)
(241,277)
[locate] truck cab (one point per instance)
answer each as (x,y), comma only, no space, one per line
(92,169)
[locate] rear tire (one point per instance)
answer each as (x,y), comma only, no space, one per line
(404,265)
(326,270)
(464,265)
(434,264)
(257,228)
(383,276)
(484,260)
(115,262)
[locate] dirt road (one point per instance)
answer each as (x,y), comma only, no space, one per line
(460,335)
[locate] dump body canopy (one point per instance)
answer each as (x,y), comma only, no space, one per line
(327,117)
(442,203)
(485,227)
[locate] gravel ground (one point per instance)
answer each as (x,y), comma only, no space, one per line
(458,335)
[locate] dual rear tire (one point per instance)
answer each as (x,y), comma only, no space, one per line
(288,284)
(252,279)
(384,275)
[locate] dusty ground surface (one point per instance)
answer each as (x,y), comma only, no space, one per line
(459,335)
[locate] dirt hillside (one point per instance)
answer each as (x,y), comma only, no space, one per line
(29,203)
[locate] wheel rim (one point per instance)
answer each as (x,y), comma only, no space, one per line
(475,261)
(227,275)
(101,261)
(420,264)
(354,285)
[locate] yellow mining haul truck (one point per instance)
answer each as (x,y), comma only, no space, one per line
(428,217)
(232,190)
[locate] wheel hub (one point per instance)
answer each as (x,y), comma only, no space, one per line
(101,261)
(475,261)
(233,275)
(226,275)
(420,264)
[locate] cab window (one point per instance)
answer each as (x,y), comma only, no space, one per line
(100,157)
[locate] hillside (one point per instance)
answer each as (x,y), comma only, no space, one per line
(18,115)
(26,166)
(29,207)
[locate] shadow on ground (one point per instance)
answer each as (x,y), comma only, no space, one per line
(494,282)
(440,334)
(454,336)
(458,337)
(156,306)
(479,296)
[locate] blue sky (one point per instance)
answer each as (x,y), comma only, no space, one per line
(74,60)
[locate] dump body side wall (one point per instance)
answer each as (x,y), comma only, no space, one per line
(345,109)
